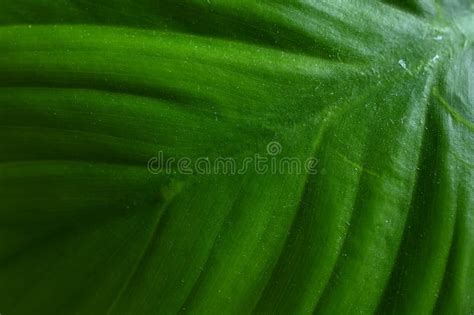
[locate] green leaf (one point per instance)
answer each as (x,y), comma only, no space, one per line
(379,93)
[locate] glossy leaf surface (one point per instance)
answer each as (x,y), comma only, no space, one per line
(380,93)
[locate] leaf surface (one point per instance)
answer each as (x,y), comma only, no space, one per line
(380,93)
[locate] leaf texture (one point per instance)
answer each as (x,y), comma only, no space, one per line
(381,93)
